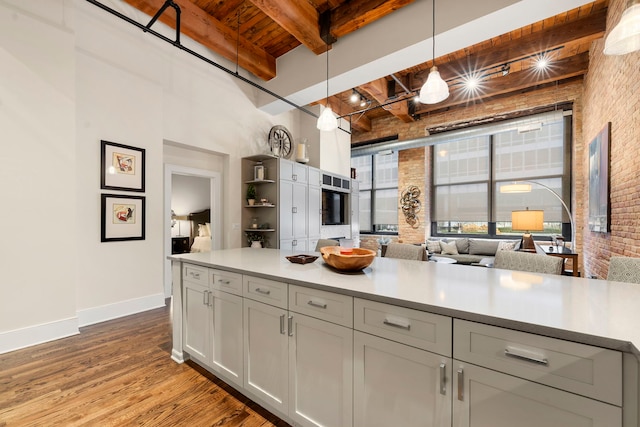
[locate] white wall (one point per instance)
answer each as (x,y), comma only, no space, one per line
(71,75)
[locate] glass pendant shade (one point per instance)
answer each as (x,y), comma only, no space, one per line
(625,37)
(327,120)
(434,89)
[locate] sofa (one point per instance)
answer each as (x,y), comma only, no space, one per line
(468,250)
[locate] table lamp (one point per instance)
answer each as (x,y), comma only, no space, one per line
(527,221)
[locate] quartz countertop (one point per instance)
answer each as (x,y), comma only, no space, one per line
(589,311)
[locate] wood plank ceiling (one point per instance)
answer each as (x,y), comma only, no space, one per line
(254,33)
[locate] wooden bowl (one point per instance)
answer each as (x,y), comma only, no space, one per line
(360,258)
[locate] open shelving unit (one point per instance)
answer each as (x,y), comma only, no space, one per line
(267,188)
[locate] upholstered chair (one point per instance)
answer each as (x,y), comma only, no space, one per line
(624,269)
(527,261)
(405,251)
(326,242)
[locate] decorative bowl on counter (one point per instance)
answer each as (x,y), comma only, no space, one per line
(302,259)
(358,259)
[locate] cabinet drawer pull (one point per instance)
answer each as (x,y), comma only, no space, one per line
(443,379)
(194,275)
(294,209)
(263,291)
(282,324)
(461,384)
(205,298)
(388,322)
(526,355)
(312,303)
(224,282)
(290,326)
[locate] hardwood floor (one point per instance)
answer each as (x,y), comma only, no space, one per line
(118,373)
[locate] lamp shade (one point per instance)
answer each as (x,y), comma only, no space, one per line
(527,220)
(625,37)
(434,89)
(327,120)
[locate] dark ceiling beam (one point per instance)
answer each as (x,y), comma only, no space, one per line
(355,14)
(514,82)
(587,29)
(299,18)
(211,33)
(378,90)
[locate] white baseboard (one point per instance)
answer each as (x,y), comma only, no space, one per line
(103,313)
(38,334)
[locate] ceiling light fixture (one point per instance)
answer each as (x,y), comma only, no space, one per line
(542,63)
(354,96)
(327,120)
(625,37)
(434,89)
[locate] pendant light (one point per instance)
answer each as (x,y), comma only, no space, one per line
(327,120)
(625,37)
(434,89)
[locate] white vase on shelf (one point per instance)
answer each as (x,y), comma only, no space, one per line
(256,244)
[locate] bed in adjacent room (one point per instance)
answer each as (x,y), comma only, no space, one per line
(200,231)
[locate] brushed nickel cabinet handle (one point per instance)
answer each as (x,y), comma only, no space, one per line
(397,325)
(443,379)
(312,303)
(282,324)
(224,282)
(526,355)
(461,384)
(263,291)
(290,326)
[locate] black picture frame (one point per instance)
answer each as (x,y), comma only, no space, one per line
(122,167)
(123,217)
(599,198)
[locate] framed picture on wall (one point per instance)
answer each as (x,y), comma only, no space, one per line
(121,167)
(599,206)
(123,217)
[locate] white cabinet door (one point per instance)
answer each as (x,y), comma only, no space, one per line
(266,357)
(315,177)
(285,202)
(314,212)
(398,385)
(484,397)
(321,373)
(227,357)
(196,321)
(299,216)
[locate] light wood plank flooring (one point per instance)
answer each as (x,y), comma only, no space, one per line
(118,373)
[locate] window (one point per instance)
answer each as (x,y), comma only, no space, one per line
(468,175)
(378,176)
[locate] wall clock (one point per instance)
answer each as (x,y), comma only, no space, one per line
(280,141)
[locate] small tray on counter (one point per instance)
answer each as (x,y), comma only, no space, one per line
(302,259)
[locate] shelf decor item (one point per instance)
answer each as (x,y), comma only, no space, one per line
(255,239)
(251,194)
(259,172)
(280,142)
(121,167)
(122,218)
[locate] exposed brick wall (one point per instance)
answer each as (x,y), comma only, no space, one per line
(409,160)
(612,94)
(411,172)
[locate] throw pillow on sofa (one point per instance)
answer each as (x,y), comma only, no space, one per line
(433,246)
(449,248)
(507,245)
(483,247)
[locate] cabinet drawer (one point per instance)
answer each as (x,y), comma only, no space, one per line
(431,332)
(586,370)
(264,290)
(329,306)
(195,274)
(226,281)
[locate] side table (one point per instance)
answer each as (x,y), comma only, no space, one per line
(564,253)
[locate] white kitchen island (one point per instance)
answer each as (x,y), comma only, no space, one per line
(410,343)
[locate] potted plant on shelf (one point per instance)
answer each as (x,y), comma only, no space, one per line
(251,194)
(255,239)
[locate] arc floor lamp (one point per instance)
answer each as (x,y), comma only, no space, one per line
(519,187)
